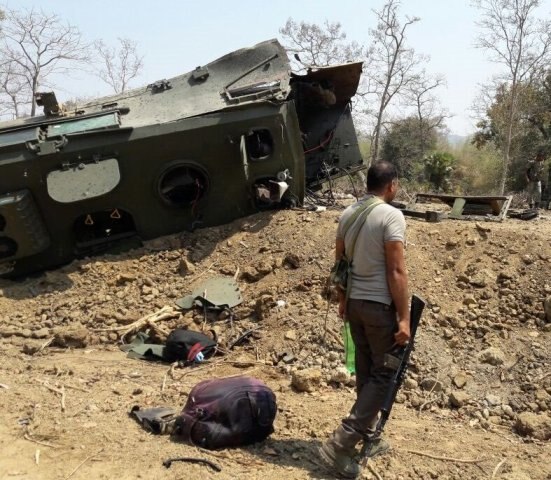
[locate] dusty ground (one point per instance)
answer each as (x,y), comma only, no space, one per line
(477,396)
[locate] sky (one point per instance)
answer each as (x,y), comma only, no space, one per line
(175,36)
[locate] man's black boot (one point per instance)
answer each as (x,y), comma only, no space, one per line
(340,456)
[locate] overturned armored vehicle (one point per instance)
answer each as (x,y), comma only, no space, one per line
(228,139)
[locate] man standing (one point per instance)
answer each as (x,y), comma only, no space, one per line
(377,310)
(534,177)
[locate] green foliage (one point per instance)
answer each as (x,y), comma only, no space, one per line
(365,147)
(531,131)
(438,168)
(477,170)
(406,144)
(538,112)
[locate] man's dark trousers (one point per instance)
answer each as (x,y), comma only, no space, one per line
(372,325)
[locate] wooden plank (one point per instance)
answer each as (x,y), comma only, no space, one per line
(457,209)
(413,213)
(505,208)
(471,207)
(474,198)
(428,215)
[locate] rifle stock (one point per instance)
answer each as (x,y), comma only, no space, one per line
(396,360)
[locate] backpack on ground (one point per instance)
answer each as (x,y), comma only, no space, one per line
(227,412)
(184,345)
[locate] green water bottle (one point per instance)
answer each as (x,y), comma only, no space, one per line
(349,348)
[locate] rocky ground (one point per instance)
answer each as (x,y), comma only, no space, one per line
(476,403)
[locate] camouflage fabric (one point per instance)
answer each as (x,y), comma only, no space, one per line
(535,171)
(534,193)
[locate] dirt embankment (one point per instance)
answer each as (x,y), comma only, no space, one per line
(478,392)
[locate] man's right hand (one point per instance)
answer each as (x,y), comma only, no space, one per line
(341,295)
(403,334)
(342,305)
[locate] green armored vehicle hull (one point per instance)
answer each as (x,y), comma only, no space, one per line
(236,136)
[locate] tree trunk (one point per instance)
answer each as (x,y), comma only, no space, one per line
(33,93)
(422,139)
(375,146)
(377,131)
(15,106)
(508,139)
(506,160)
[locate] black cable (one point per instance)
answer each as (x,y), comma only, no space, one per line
(330,180)
(352,182)
(318,199)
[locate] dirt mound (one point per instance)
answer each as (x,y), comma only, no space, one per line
(479,383)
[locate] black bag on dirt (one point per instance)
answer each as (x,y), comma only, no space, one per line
(184,345)
(158,420)
(227,412)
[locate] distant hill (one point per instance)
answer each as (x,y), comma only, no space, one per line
(456,140)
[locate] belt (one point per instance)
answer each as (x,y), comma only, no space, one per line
(382,305)
(373,301)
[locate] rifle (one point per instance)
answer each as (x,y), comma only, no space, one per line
(397,360)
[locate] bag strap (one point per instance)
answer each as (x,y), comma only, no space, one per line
(255,410)
(356,214)
(367,208)
(362,215)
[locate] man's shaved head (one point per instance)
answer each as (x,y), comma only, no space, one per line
(379,175)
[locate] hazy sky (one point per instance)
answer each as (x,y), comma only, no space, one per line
(176,36)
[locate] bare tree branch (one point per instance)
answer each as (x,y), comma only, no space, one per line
(429,112)
(520,41)
(41,45)
(14,90)
(318,46)
(392,63)
(119,65)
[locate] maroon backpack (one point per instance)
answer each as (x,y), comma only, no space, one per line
(227,412)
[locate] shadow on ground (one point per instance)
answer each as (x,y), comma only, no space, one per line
(196,245)
(299,454)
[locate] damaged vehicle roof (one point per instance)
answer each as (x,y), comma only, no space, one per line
(229,138)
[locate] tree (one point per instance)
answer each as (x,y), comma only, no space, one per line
(532,130)
(313,45)
(14,89)
(41,45)
(119,65)
(477,169)
(521,43)
(405,148)
(438,169)
(430,114)
(538,111)
(392,64)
